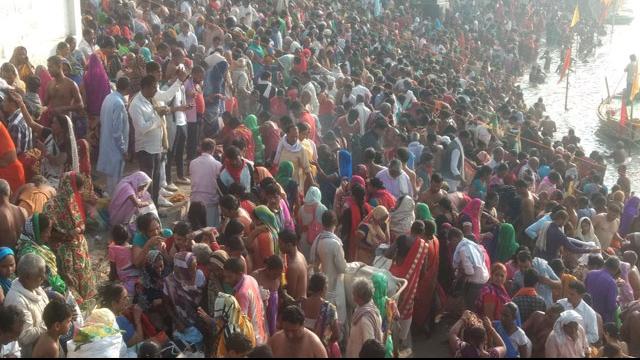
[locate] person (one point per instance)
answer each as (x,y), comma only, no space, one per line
(62,94)
(295,264)
(236,170)
(290,149)
(602,286)
(378,195)
(396,180)
(631,257)
(372,232)
(527,298)
(67,212)
(20,132)
(366,322)
(295,340)
(425,308)
(552,237)
(629,214)
(472,213)
(575,301)
(28,296)
(606,227)
(114,135)
(321,316)
(539,326)
(632,71)
(477,338)
(95,88)
(130,199)
(408,264)
(7,270)
(20,59)
(310,219)
(269,278)
(454,160)
(11,325)
(34,195)
(493,295)
(247,293)
(470,266)
(263,241)
(568,338)
(372,349)
(232,210)
(612,338)
(251,122)
(516,341)
(12,218)
(202,170)
(57,316)
(547,278)
(11,169)
(131,320)
(402,217)
(183,290)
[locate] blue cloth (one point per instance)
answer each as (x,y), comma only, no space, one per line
(533,230)
(543,269)
(512,351)
(5,283)
(114,135)
(346,164)
(139,239)
(125,325)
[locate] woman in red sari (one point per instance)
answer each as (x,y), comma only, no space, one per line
(424,314)
(10,167)
(411,253)
(356,210)
(379,196)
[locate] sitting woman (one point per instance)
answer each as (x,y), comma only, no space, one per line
(149,236)
(321,316)
(7,270)
(130,199)
(34,195)
(183,289)
(150,290)
(516,341)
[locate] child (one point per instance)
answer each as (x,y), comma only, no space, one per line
(149,350)
(7,269)
(121,259)
(57,317)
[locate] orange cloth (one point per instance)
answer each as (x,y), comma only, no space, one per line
(14,172)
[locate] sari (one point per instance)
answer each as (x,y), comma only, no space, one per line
(229,319)
(310,215)
(423,212)
(151,282)
(31,243)
(251,122)
(374,235)
(402,218)
(96,88)
(382,197)
(26,69)
(388,311)
(182,288)
(244,133)
(428,285)
(512,350)
(270,137)
(323,328)
(285,178)
(473,212)
(265,242)
(345,163)
(411,270)
(14,172)
(507,244)
(121,208)
(630,212)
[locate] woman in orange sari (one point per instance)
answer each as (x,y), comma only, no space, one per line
(10,167)
(424,312)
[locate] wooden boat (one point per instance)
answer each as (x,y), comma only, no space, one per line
(609,116)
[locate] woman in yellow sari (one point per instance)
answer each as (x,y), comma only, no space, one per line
(308,146)
(20,60)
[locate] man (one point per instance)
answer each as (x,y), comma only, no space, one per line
(497,159)
(231,209)
(290,149)
(369,158)
(114,135)
(186,37)
(363,113)
(15,123)
(575,301)
(552,238)
(602,286)
(527,207)
(631,258)
(632,72)
(327,256)
(245,13)
(470,266)
(295,340)
(539,326)
(366,322)
(12,218)
(533,230)
(435,192)
(269,278)
(296,273)
(606,227)
(214,91)
(247,292)
(395,180)
(527,297)
(204,170)
(62,95)
(453,161)
(266,89)
(88,43)
(530,169)
(403,155)
(546,277)
(11,325)
(372,137)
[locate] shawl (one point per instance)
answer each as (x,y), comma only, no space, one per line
(402,218)
(251,122)
(285,173)
(630,212)
(507,244)
(5,283)
(234,172)
(121,208)
(384,198)
(96,85)
(567,317)
(541,242)
(151,281)
(590,237)
(346,165)
(266,216)
(411,270)
(423,212)
(65,209)
(472,249)
(473,210)
(284,145)
(375,233)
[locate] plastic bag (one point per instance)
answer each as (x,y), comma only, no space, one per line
(107,347)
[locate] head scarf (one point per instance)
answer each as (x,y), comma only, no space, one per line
(423,212)
(285,173)
(314,197)
(183,269)
(66,209)
(358,180)
(267,217)
(346,165)
(591,235)
(473,211)
(234,171)
(507,244)
(5,283)
(96,85)
(403,216)
(630,212)
(127,187)
(149,278)
(251,122)
(566,318)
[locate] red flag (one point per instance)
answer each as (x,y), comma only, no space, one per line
(565,65)
(623,113)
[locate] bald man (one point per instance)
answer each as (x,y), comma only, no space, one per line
(12,218)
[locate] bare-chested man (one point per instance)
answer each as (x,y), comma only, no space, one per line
(295,264)
(631,258)
(606,226)
(527,206)
(539,326)
(294,340)
(62,96)
(268,278)
(631,327)
(369,158)
(434,193)
(12,218)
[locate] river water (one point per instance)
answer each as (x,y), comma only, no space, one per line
(587,89)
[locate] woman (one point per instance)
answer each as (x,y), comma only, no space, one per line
(328,175)
(372,232)
(479,336)
(506,245)
(130,199)
(308,146)
(11,168)
(356,210)
(20,59)
(67,211)
(95,87)
(493,295)
(480,183)
(59,149)
(150,291)
(472,213)
(263,241)
(629,214)
(379,196)
(251,122)
(388,311)
(402,217)
(310,220)
(34,240)
(321,316)
(9,74)
(423,212)
(242,85)
(184,289)
(287,182)
(516,341)
(7,269)
(568,338)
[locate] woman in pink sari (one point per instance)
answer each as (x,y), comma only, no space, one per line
(130,196)
(95,87)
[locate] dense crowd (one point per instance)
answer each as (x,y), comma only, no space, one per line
(355,175)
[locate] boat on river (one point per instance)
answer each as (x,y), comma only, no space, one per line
(609,116)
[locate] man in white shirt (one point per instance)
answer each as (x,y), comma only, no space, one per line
(245,13)
(574,301)
(204,171)
(363,113)
(178,137)
(470,266)
(186,37)
(453,161)
(395,180)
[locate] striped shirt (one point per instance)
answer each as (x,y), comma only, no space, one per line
(20,132)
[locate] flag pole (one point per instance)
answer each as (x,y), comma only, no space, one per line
(566,94)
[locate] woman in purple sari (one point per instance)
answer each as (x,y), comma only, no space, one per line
(95,87)
(130,198)
(630,212)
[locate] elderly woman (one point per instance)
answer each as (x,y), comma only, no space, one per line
(183,289)
(130,198)
(27,294)
(372,232)
(402,217)
(366,322)
(568,338)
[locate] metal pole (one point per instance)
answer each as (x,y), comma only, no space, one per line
(606,81)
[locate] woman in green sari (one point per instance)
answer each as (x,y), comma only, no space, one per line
(251,122)
(34,239)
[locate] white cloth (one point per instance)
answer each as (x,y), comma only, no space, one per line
(179,100)
(284,145)
(398,187)
(187,40)
(363,116)
(590,319)
(327,256)
(519,338)
(469,257)
(87,50)
(311,90)
(147,124)
(11,350)
(32,304)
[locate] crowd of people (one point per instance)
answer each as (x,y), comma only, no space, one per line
(356,173)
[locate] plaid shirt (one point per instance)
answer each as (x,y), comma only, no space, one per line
(20,132)
(528,305)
